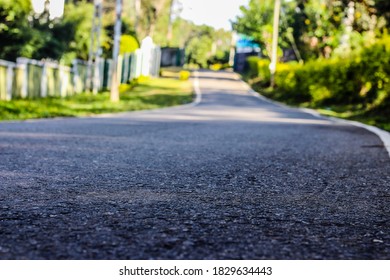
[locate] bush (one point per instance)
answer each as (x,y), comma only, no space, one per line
(253,69)
(291,84)
(219,66)
(362,78)
(258,70)
(128,44)
(184,75)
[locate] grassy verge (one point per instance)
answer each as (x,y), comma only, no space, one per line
(374,115)
(147,94)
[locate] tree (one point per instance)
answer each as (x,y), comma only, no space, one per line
(15,33)
(151,11)
(256,22)
(128,44)
(320,25)
(316,28)
(77,22)
(198,48)
(383,10)
(30,35)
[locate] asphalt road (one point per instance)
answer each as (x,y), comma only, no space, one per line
(234,177)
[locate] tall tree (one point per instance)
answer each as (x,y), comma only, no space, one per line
(151,11)
(16,36)
(315,27)
(198,48)
(256,21)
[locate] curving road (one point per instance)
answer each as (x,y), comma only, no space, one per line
(234,177)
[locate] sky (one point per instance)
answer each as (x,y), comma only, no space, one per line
(215,13)
(56,7)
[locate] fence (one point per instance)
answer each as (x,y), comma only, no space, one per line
(28,78)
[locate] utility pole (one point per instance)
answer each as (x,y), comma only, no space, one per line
(170,23)
(137,9)
(114,97)
(275,37)
(232,52)
(94,49)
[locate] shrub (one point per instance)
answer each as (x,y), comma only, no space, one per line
(253,70)
(359,79)
(184,75)
(128,44)
(258,70)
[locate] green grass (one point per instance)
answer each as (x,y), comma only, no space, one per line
(372,115)
(147,94)
(375,117)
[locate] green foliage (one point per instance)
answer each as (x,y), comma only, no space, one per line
(77,21)
(15,36)
(26,34)
(207,46)
(315,28)
(357,79)
(199,46)
(221,57)
(360,82)
(128,44)
(183,31)
(184,75)
(153,20)
(198,49)
(148,94)
(383,10)
(258,71)
(108,36)
(256,21)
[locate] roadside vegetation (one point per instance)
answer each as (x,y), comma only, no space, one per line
(32,33)
(27,33)
(334,56)
(356,87)
(145,94)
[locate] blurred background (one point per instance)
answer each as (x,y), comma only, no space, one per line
(328,54)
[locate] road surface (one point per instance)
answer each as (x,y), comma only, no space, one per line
(234,177)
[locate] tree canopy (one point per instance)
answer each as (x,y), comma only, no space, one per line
(24,33)
(316,28)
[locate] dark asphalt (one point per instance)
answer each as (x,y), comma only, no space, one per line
(234,177)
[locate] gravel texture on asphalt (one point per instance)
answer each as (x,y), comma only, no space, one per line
(234,177)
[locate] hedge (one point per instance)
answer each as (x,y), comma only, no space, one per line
(361,78)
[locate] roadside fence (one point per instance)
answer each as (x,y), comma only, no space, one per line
(29,78)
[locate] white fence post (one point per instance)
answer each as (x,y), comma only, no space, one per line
(101,72)
(96,76)
(138,64)
(144,61)
(147,49)
(44,80)
(22,64)
(63,81)
(125,74)
(9,79)
(133,66)
(156,61)
(109,76)
(119,69)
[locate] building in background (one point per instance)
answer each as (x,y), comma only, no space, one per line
(172,57)
(245,47)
